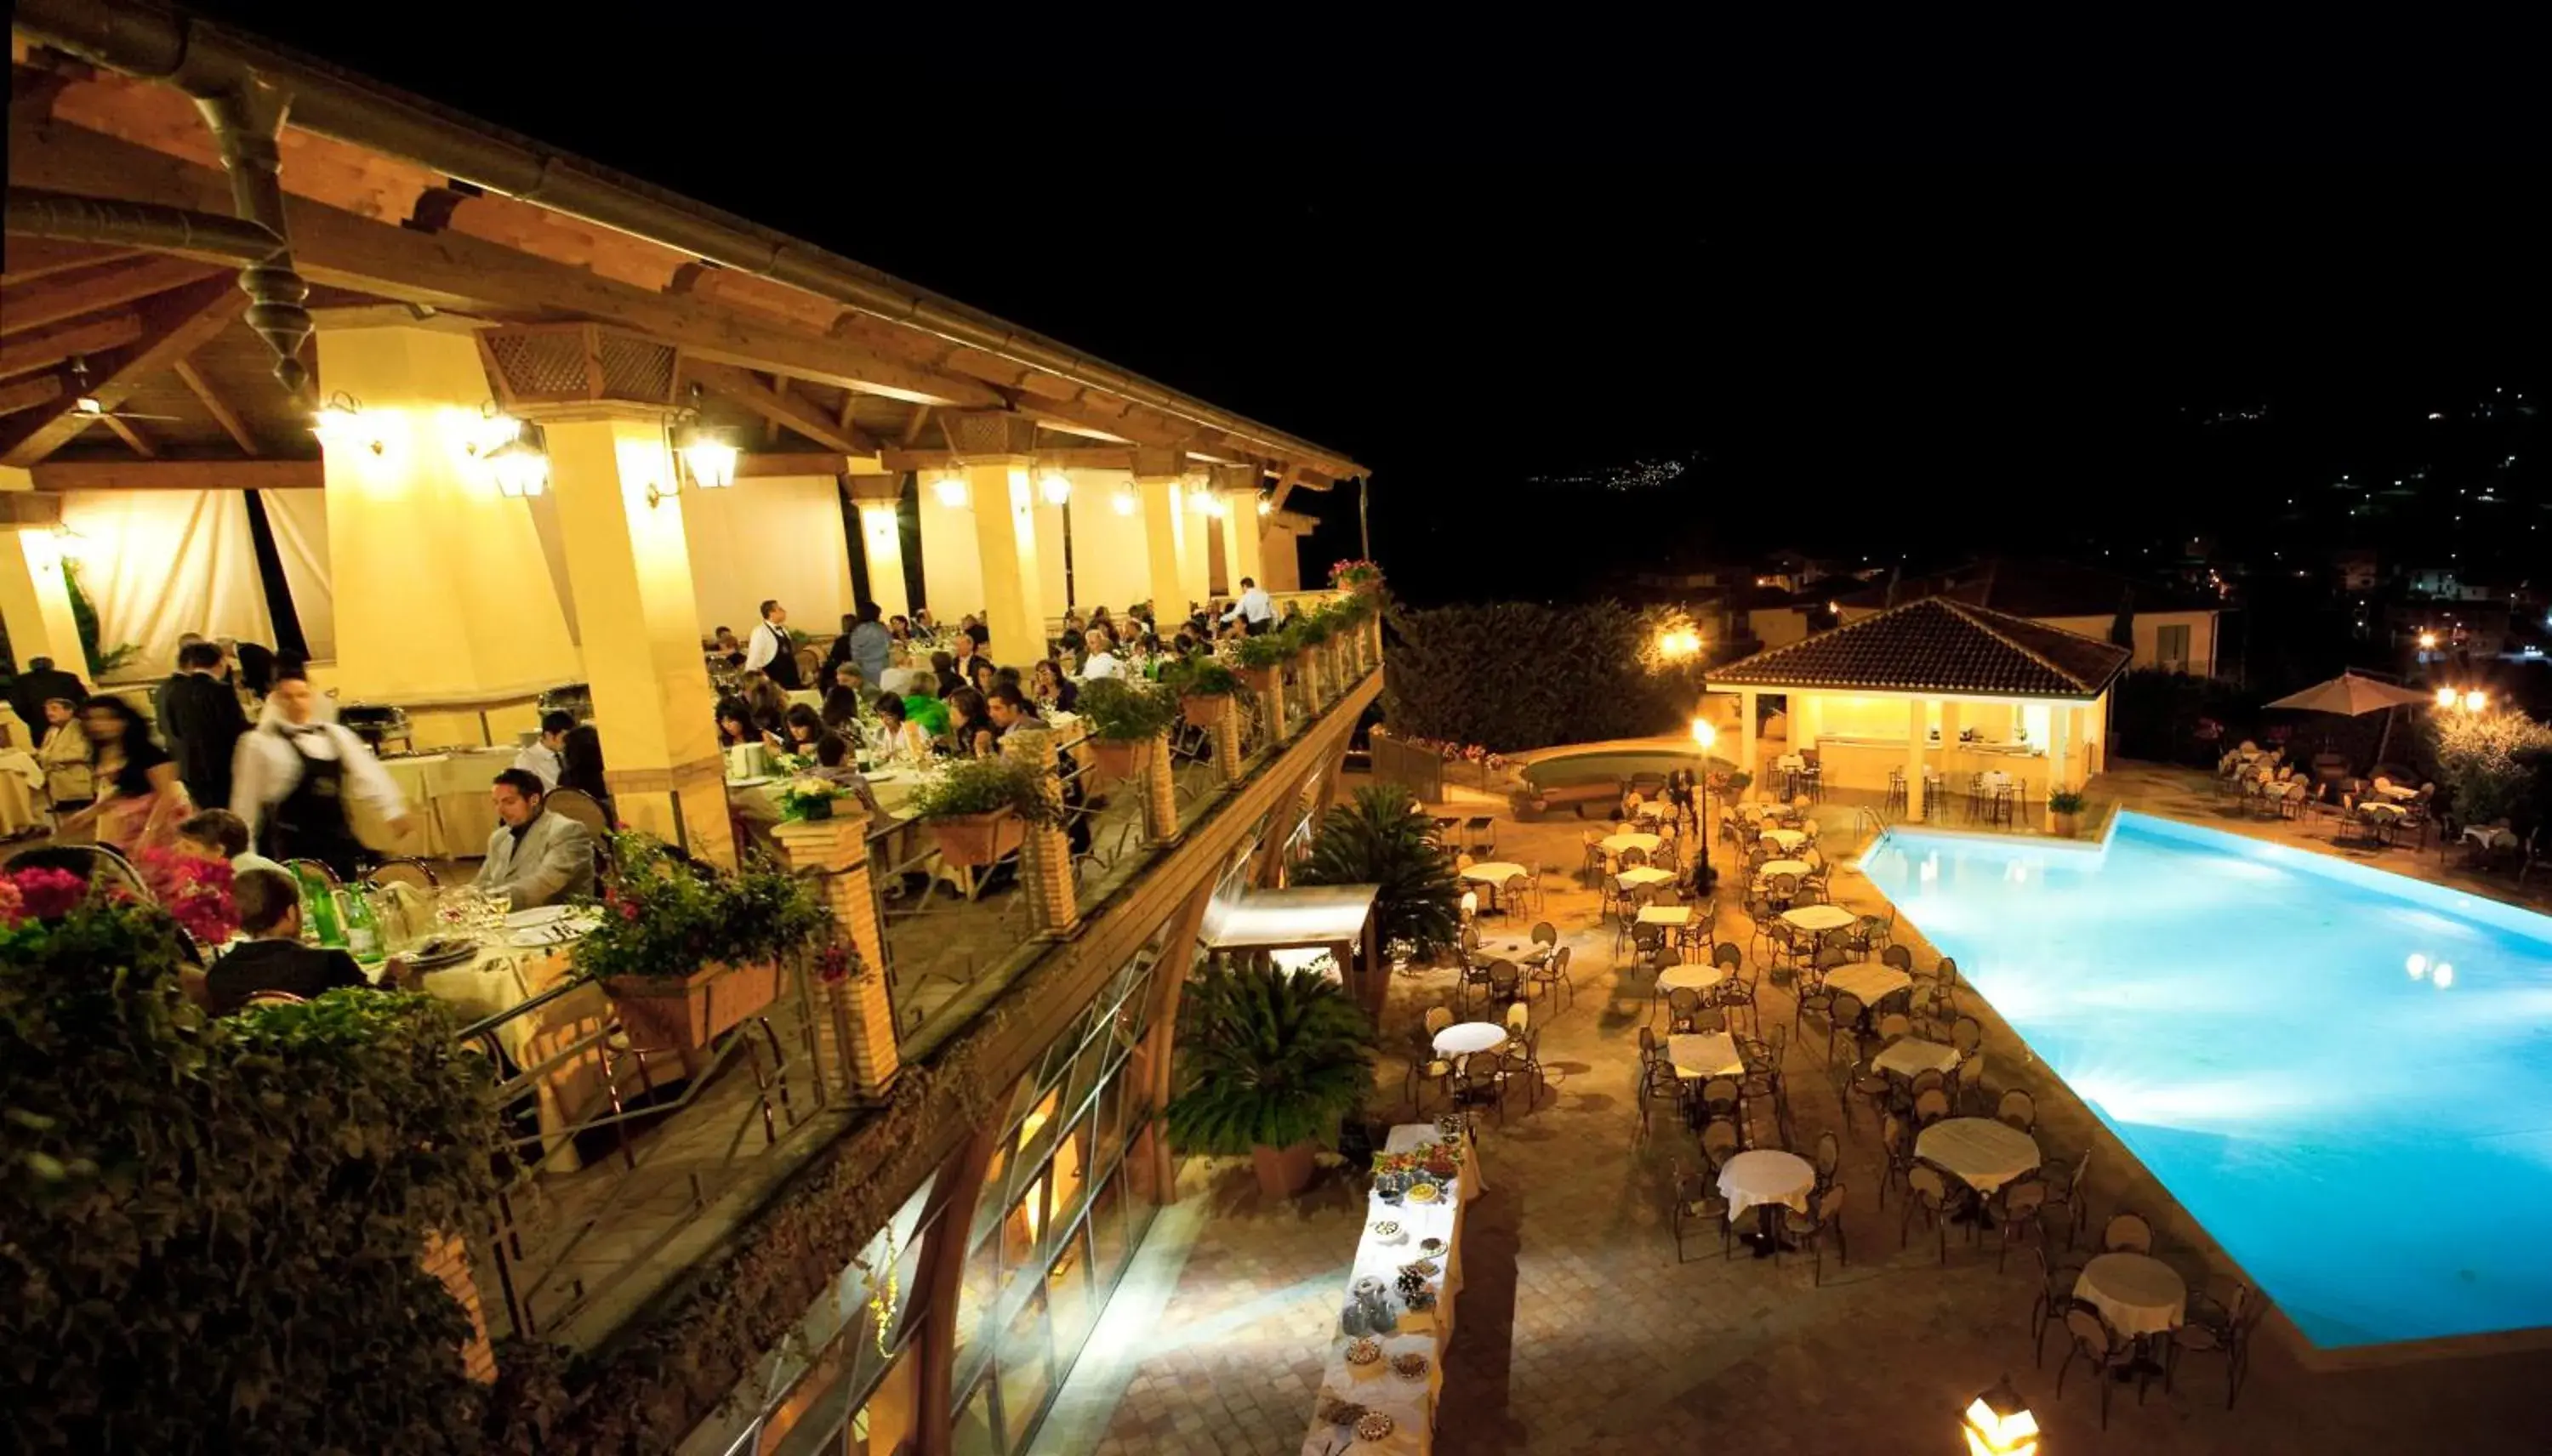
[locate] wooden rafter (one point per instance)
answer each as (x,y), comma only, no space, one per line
(28,394)
(913,426)
(131,434)
(774,407)
(41,349)
(67,296)
(174,324)
(179,474)
(24,259)
(214,405)
(771,420)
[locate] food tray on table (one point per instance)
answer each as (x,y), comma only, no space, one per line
(442,952)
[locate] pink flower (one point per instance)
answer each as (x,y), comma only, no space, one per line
(50,895)
(13,906)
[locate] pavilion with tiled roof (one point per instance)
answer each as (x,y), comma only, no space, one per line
(1941,685)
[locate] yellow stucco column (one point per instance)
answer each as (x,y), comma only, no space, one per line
(1005,555)
(1746,732)
(630,569)
(881,539)
(1110,545)
(1917,724)
(1055,586)
(1196,540)
(1163,536)
(442,593)
(1235,489)
(952,584)
(35,599)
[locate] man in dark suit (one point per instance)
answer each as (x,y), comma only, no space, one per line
(41,682)
(200,717)
(274,958)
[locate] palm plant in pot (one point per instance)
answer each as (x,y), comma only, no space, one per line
(1203,685)
(1270,1061)
(1127,718)
(688,951)
(1383,839)
(980,809)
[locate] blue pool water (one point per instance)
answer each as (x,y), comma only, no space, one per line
(2346,1076)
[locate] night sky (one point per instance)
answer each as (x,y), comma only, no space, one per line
(2050,354)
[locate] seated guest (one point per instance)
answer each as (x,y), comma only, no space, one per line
(219,834)
(929,713)
(981,675)
(841,710)
(970,724)
(899,739)
(966,650)
(735,723)
(580,767)
(767,699)
(41,684)
(898,628)
(976,629)
(802,727)
(538,859)
(1007,709)
(943,667)
(837,763)
(274,958)
(71,779)
(848,674)
(1052,688)
(541,756)
(1008,677)
(901,677)
(1101,659)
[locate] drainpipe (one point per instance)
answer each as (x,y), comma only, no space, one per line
(204,60)
(36,213)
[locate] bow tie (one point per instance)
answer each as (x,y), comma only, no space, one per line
(304,729)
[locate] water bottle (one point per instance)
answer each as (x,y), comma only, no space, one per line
(321,923)
(362,927)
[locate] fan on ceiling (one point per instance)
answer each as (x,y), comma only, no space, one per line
(90,406)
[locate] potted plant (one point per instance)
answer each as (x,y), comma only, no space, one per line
(809,798)
(688,951)
(980,809)
(1270,1061)
(1358,576)
(1202,685)
(1260,657)
(2067,805)
(1383,839)
(1125,717)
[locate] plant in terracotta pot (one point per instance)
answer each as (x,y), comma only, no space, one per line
(2067,805)
(1382,838)
(980,809)
(1357,575)
(1127,718)
(688,951)
(1270,1061)
(1260,657)
(1202,683)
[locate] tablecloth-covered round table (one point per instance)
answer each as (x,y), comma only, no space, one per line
(1977,1151)
(1767,1175)
(2137,1294)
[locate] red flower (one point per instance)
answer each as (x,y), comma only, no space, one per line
(13,906)
(50,895)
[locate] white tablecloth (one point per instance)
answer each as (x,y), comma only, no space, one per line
(22,792)
(1704,1053)
(1818,917)
(1411,1403)
(2137,1294)
(1867,979)
(1641,876)
(1677,915)
(1767,1175)
(1787,839)
(1470,1038)
(1646,843)
(1912,1056)
(1494,873)
(1692,977)
(1977,1151)
(448,803)
(1783,867)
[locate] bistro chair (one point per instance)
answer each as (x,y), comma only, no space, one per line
(1697,1204)
(2052,1297)
(1829,1157)
(1519,1018)
(1659,1087)
(1846,1011)
(2017,1109)
(1683,1011)
(2217,1327)
(2103,1349)
(1720,1100)
(414,874)
(1506,983)
(578,805)
(1930,1106)
(1519,1058)
(2065,1192)
(1896,1157)
(1720,1141)
(1648,1048)
(2020,1202)
(2126,1233)
(1552,973)
(1546,941)
(1927,1194)
(1822,1222)
(1863,1082)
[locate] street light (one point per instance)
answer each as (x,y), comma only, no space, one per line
(1999,1424)
(2476,701)
(2427,641)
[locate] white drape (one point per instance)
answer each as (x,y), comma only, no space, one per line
(778,536)
(300,520)
(159,564)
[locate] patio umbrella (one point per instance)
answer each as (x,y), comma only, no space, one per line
(2349,696)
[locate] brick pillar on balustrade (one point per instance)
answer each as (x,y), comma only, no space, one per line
(1269,684)
(1161,793)
(448,1259)
(1227,741)
(1045,860)
(855,1018)
(1314,664)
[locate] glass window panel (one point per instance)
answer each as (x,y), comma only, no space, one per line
(1068,1181)
(1139,1217)
(975,1296)
(1027,1367)
(1070,1300)
(1022,1227)
(975,1434)
(1107,1244)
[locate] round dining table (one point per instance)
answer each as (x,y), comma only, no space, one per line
(1977,1151)
(2135,1294)
(1817,919)
(1692,977)
(1646,844)
(1761,1180)
(1786,840)
(1770,867)
(1470,1038)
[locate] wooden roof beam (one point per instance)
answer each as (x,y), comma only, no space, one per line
(23,260)
(178,474)
(68,296)
(778,407)
(176,325)
(219,408)
(28,394)
(41,349)
(131,434)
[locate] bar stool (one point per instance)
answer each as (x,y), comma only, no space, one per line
(1896,792)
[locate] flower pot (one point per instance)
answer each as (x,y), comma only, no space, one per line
(1283,1172)
(1119,762)
(975,841)
(2067,824)
(687,1012)
(1203,711)
(1257,680)
(821,808)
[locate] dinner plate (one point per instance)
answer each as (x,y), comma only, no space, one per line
(754,783)
(459,955)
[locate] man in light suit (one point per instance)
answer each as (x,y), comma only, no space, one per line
(537,858)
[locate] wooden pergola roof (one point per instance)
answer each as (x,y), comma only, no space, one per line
(802,381)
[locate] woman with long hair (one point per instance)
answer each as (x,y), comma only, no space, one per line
(971,721)
(140,801)
(841,710)
(767,700)
(735,725)
(900,740)
(1052,691)
(802,727)
(981,675)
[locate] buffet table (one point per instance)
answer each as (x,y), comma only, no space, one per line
(1408,1401)
(447,798)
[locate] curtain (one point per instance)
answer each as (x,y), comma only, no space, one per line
(159,564)
(299,521)
(769,538)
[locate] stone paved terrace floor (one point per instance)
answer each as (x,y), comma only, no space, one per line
(1579,1332)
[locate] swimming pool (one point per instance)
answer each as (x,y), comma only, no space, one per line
(2344,1075)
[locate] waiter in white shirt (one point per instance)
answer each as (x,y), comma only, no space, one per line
(1256,613)
(540,758)
(769,653)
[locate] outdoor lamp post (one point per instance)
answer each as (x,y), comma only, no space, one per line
(1704,735)
(1999,1424)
